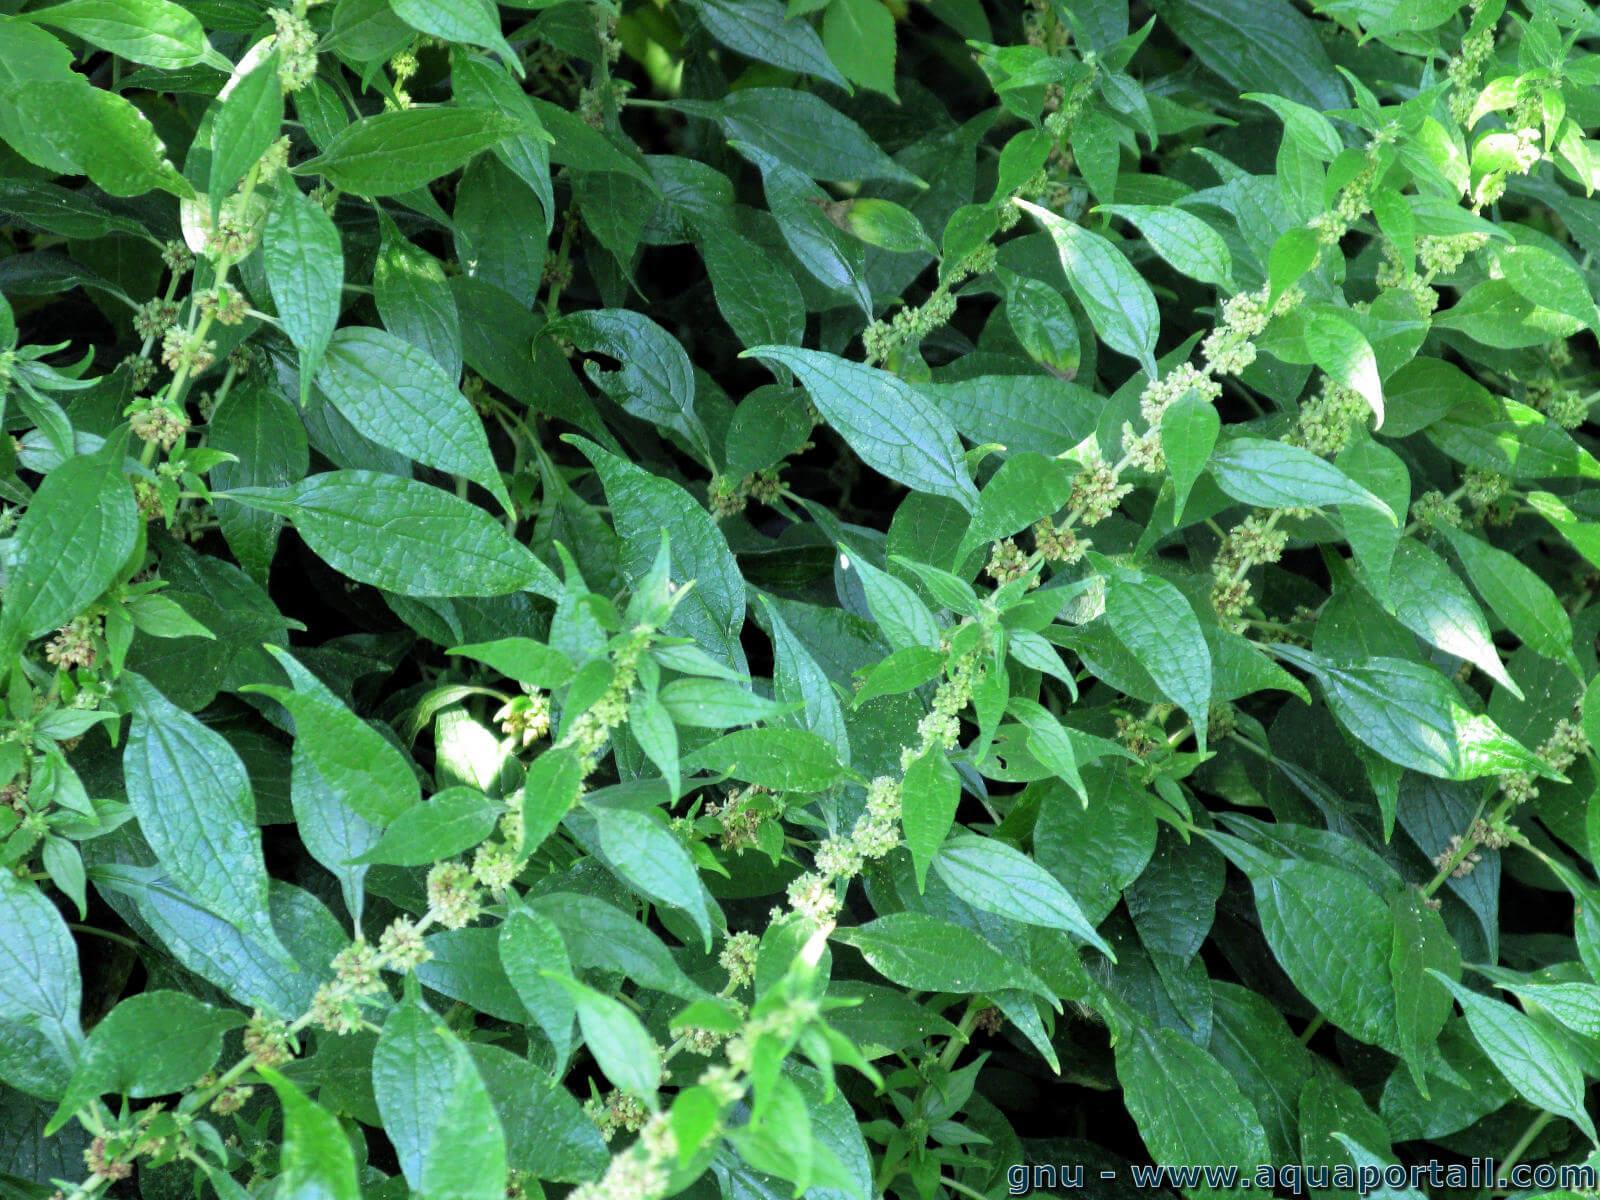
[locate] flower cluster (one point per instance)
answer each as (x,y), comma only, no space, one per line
(1096,489)
(296,44)
(740,816)
(1059,544)
(728,497)
(1007,562)
(591,729)
(617,1112)
(224,303)
(1254,542)
(159,425)
(1484,488)
(525,718)
(402,947)
(75,644)
(187,351)
(1452,854)
(881,340)
(876,832)
(1561,749)
(1433,510)
(1463,68)
(1442,254)
(266,1039)
(1329,419)
(1161,394)
(1230,348)
(738,958)
(641,1173)
(154,317)
(453,895)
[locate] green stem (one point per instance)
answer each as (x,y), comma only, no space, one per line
(1520,1146)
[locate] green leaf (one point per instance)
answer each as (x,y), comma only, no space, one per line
(900,613)
(1156,622)
(798,679)
(1411,715)
(890,426)
(522,659)
(1303,125)
(316,1159)
(83,513)
(1043,322)
(1186,1105)
(1521,599)
(400,151)
(1293,253)
(148,1045)
(156,33)
(606,937)
(399,397)
(555,781)
(655,381)
(101,134)
(627,1055)
(1429,600)
(795,760)
(479,83)
(246,124)
(475,22)
(647,854)
(416,303)
(305,273)
(755,293)
(453,821)
(1119,302)
(1270,474)
(1330,933)
(163,617)
(643,506)
(997,878)
(1533,1061)
(195,807)
(930,793)
(1549,280)
(1021,412)
(1188,434)
(885,224)
(798,206)
(548,1133)
(1049,742)
(802,130)
(758,29)
(436,1110)
(40,990)
(404,536)
(1343,351)
(1263,47)
(357,761)
(903,670)
(265,434)
(924,953)
(860,37)
(715,704)
(1421,944)
(530,947)
(1187,244)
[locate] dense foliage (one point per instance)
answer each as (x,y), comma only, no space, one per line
(734,600)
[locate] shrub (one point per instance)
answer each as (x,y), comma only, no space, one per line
(847,600)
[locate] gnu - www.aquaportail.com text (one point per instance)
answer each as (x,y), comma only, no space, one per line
(1298,1180)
